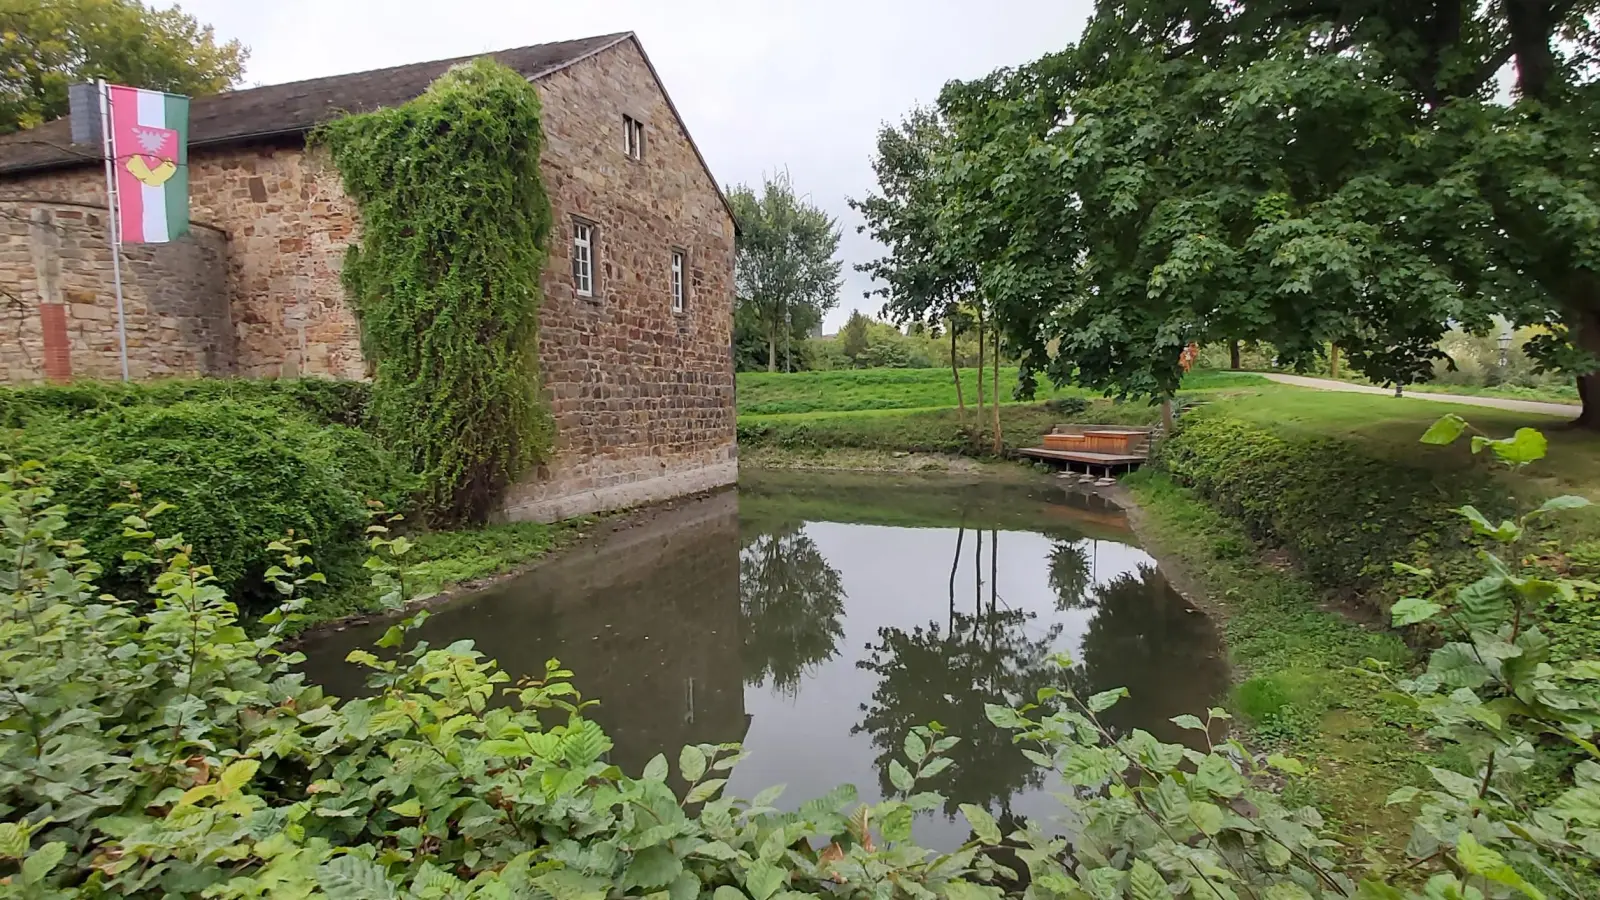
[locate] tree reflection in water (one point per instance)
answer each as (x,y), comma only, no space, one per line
(1070,574)
(947,673)
(1146,638)
(791,602)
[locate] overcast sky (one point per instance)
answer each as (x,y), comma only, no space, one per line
(762,84)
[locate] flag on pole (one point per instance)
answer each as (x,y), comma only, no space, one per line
(150,155)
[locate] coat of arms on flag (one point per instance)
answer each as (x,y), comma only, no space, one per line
(149,140)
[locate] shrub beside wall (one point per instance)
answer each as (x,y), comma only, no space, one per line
(243,463)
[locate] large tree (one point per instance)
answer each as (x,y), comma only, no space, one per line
(787,270)
(47,45)
(1343,172)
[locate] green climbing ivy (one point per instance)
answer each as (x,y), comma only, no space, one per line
(454,221)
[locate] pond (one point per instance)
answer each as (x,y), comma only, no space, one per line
(817,617)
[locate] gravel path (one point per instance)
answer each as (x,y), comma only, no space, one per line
(1527,406)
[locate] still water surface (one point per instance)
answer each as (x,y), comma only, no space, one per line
(817,618)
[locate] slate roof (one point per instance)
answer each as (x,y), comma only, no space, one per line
(281,110)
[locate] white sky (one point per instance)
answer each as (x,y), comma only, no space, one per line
(762,84)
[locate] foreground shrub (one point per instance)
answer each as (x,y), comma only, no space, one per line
(238,474)
(322,400)
(165,753)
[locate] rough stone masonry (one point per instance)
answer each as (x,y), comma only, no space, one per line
(642,394)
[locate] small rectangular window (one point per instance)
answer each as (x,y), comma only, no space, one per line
(632,137)
(583,258)
(677,280)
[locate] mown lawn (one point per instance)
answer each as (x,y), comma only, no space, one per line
(777,393)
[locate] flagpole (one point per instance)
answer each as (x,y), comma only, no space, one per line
(113,202)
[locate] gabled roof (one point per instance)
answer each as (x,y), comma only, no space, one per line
(285,110)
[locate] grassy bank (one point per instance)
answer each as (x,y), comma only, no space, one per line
(1294,658)
(441,561)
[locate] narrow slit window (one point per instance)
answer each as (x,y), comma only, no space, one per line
(677,280)
(583,258)
(632,137)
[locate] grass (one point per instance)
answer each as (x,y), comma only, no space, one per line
(1297,688)
(442,560)
(855,390)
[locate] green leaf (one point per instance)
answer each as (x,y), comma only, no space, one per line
(1402,795)
(1207,817)
(1106,699)
(717,850)
(728,892)
(763,880)
(656,768)
(1411,610)
(916,748)
(1275,853)
(1286,764)
(41,861)
(1445,431)
(900,777)
(1457,784)
(410,809)
(966,890)
(1480,860)
(569,884)
(652,867)
(14,837)
(705,790)
(1190,722)
(983,825)
(896,824)
(1564,502)
(237,775)
(1286,890)
(1526,445)
(353,878)
(935,766)
(691,763)
(1218,776)
(1145,883)
(684,887)
(768,796)
(1004,716)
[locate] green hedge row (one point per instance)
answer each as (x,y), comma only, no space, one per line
(243,463)
(322,400)
(1344,512)
(927,431)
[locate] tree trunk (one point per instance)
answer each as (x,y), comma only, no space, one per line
(1233,356)
(1333,361)
(980,367)
(772,347)
(1166,416)
(998,442)
(955,372)
(1586,335)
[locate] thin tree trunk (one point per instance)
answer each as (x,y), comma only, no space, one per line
(1166,415)
(998,443)
(955,372)
(994,570)
(955,563)
(772,348)
(1333,361)
(977,589)
(980,367)
(1233,356)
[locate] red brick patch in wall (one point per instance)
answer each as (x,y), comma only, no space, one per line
(57,352)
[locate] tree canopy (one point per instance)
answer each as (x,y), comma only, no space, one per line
(47,45)
(1355,173)
(786,273)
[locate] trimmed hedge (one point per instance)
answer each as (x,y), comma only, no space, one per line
(921,431)
(323,401)
(241,465)
(1345,513)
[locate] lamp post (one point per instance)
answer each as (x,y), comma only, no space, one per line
(1505,347)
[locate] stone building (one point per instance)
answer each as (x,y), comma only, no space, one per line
(635,330)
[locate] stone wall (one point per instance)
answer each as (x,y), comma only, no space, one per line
(58,315)
(643,397)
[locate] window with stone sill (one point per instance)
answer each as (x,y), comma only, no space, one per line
(583,240)
(632,138)
(680,262)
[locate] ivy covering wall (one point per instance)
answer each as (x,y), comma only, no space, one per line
(445,279)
